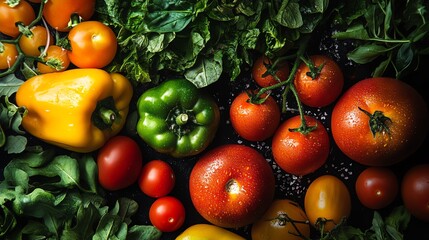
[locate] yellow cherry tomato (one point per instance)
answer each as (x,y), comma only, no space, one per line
(284,219)
(327,202)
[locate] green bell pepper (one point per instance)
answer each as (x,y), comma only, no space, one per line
(177,118)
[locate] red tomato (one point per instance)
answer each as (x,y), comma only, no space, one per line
(379,121)
(327,201)
(157,178)
(56,60)
(39,37)
(93,45)
(8,55)
(415,191)
(167,214)
(263,71)
(254,121)
(57,13)
(376,187)
(23,12)
(300,153)
(319,82)
(119,163)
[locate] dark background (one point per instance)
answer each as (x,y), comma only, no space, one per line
(287,186)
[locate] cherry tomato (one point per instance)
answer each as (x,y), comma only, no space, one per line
(93,45)
(327,201)
(379,121)
(298,152)
(319,82)
(57,13)
(254,121)
(167,214)
(415,191)
(119,163)
(8,55)
(157,178)
(284,219)
(264,78)
(56,60)
(376,187)
(9,15)
(39,37)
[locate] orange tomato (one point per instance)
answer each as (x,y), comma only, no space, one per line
(284,219)
(93,45)
(23,12)
(56,60)
(8,55)
(57,13)
(39,37)
(327,198)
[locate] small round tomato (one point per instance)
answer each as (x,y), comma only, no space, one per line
(157,178)
(319,81)
(8,55)
(252,120)
(93,45)
(9,15)
(284,219)
(56,60)
(119,163)
(379,121)
(38,37)
(327,201)
(376,187)
(415,191)
(58,13)
(167,214)
(300,151)
(265,73)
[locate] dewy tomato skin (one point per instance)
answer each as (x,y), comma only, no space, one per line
(407,123)
(232,185)
(325,87)
(254,121)
(415,191)
(298,153)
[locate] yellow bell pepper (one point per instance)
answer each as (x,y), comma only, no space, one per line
(204,231)
(78,109)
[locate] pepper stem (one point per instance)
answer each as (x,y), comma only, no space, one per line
(182,119)
(108,116)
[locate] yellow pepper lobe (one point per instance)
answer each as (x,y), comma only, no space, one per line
(60,106)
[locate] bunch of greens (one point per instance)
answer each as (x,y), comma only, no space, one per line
(389,228)
(203,39)
(49,196)
(392,34)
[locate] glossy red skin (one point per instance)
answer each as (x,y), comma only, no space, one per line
(377,187)
(157,179)
(231,185)
(23,12)
(415,191)
(167,214)
(254,122)
(259,69)
(119,163)
(398,101)
(93,45)
(52,8)
(297,153)
(325,88)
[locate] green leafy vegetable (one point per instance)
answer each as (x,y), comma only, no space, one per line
(390,33)
(202,39)
(49,196)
